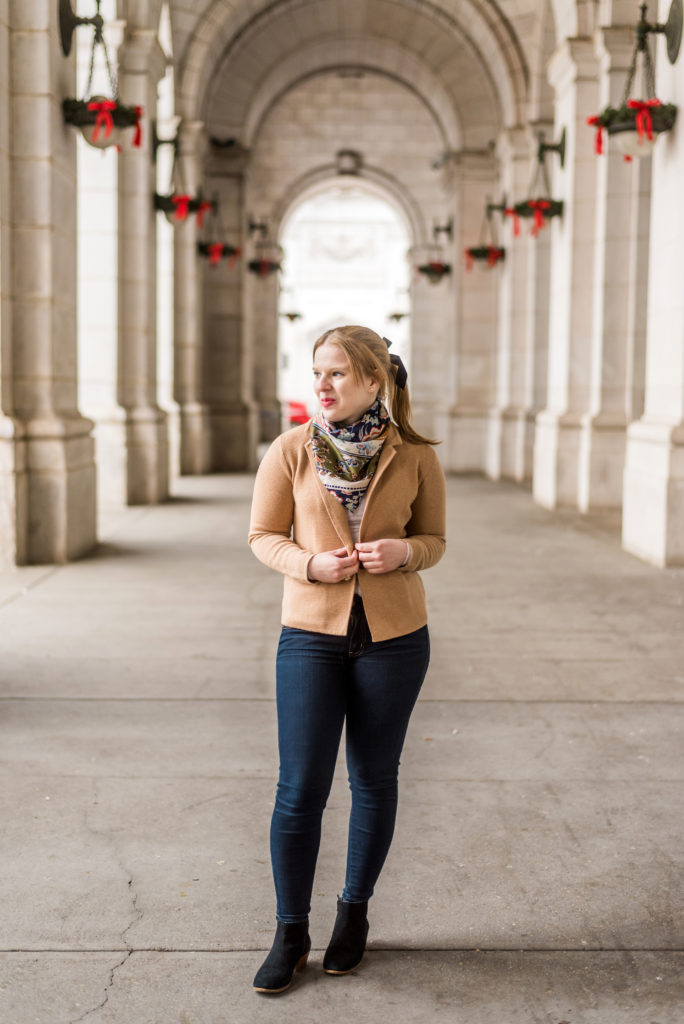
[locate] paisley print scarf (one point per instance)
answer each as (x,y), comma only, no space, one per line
(346,457)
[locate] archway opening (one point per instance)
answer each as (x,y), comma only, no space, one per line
(346,262)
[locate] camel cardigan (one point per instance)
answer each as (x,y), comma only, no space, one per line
(294,517)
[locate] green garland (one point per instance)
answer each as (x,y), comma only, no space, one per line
(663,117)
(76,112)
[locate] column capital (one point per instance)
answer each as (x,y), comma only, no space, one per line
(192,138)
(516,143)
(473,165)
(574,60)
(614,46)
(141,54)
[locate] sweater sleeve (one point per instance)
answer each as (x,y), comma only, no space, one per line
(270,529)
(425,531)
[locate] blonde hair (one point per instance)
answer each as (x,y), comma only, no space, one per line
(368,357)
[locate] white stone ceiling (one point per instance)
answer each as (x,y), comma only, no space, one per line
(466,58)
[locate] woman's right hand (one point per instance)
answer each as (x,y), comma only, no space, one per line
(333,566)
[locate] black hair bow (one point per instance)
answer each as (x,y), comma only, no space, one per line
(402,374)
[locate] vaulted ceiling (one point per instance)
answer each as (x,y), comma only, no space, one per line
(468,60)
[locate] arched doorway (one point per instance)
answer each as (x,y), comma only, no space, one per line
(346,261)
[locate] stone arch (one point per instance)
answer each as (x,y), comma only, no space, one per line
(374,179)
(492,40)
(355,54)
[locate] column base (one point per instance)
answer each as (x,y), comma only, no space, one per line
(234,438)
(529,431)
(653,495)
(506,444)
(49,516)
(147,456)
(13,494)
(195,439)
(601,461)
(133,455)
(556,459)
(468,435)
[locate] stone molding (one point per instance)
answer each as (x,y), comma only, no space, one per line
(574,60)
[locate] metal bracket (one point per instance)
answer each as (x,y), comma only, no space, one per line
(498,207)
(445,229)
(672,29)
(551,147)
(69,22)
(157,142)
(259,226)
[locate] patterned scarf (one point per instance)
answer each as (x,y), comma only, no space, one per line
(346,457)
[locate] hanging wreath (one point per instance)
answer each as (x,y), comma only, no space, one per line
(539,207)
(264,267)
(102,119)
(636,124)
(212,246)
(487,251)
(98,118)
(178,206)
(434,270)
(217,251)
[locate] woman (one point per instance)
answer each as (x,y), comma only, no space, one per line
(348,507)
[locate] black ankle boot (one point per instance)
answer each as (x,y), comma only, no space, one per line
(348,941)
(289,952)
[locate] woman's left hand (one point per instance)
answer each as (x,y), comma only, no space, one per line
(380,556)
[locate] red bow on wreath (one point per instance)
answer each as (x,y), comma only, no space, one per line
(538,206)
(201,210)
(469,261)
(493,255)
(597,123)
(644,121)
(137,139)
(215,253)
(104,117)
(182,206)
(510,212)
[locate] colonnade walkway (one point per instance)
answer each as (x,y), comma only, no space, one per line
(536,874)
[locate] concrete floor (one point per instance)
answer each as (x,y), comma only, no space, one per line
(536,875)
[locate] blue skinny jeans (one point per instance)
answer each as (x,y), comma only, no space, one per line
(323,680)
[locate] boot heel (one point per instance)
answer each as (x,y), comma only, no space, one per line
(303,962)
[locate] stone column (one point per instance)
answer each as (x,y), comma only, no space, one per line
(228,303)
(618,294)
(474,363)
(536,327)
(141,66)
(47,446)
(573,73)
(507,420)
(653,497)
(432,323)
(188,341)
(261,321)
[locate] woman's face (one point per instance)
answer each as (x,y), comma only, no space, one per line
(343,399)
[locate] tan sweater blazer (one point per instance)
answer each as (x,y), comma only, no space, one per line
(294,517)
